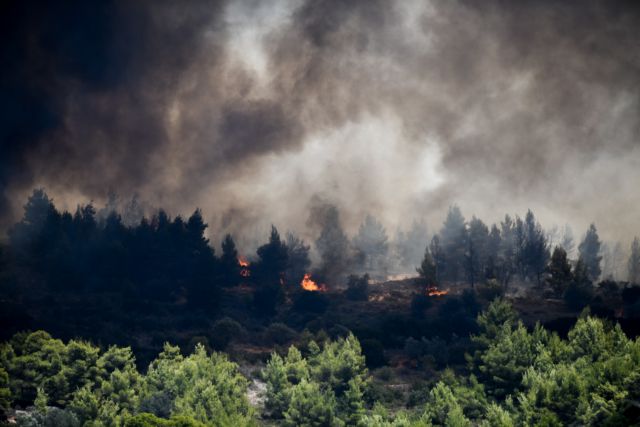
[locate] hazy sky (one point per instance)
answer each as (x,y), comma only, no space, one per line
(253,109)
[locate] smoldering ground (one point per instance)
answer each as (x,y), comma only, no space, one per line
(251,109)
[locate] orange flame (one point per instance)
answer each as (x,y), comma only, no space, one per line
(309,285)
(244,267)
(433,291)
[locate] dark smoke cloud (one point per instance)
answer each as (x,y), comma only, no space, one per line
(250,109)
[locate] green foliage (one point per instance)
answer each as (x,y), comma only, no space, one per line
(336,376)
(52,417)
(443,407)
(150,420)
(5,392)
(41,400)
(506,360)
(116,394)
(208,388)
(497,416)
(524,377)
(108,389)
(311,406)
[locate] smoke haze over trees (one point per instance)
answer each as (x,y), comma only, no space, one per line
(338,212)
(385,108)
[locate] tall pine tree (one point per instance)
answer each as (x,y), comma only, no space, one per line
(590,253)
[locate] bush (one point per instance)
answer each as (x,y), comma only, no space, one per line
(373,352)
(358,288)
(279,333)
(224,331)
(491,290)
(578,295)
(419,304)
(310,302)
(150,420)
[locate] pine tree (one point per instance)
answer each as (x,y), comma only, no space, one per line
(590,253)
(535,251)
(332,244)
(229,262)
(634,262)
(428,270)
(567,240)
(507,251)
(371,244)
(298,257)
(559,271)
(438,257)
(453,238)
(477,247)
(273,259)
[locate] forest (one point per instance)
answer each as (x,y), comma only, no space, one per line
(117,319)
(319,213)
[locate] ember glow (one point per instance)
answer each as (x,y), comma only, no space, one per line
(309,285)
(433,291)
(244,267)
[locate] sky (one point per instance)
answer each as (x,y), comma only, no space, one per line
(255,111)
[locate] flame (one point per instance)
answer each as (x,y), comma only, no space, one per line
(309,285)
(433,291)
(244,267)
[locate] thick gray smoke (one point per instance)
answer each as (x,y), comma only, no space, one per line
(251,109)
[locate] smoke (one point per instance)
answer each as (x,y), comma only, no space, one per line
(250,110)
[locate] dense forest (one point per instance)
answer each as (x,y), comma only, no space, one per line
(514,377)
(146,325)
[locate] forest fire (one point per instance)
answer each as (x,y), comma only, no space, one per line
(244,267)
(433,291)
(309,285)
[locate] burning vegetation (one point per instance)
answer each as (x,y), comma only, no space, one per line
(244,267)
(309,285)
(433,291)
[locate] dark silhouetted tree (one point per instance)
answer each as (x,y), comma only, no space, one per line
(580,291)
(410,244)
(371,245)
(332,245)
(507,254)
(535,252)
(476,250)
(298,258)
(427,270)
(567,242)
(589,251)
(357,287)
(273,260)
(269,273)
(229,266)
(438,257)
(633,264)
(454,243)
(559,270)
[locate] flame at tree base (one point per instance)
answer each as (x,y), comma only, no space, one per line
(244,267)
(433,291)
(309,285)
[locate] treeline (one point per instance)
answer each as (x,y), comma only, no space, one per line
(159,258)
(515,377)
(515,248)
